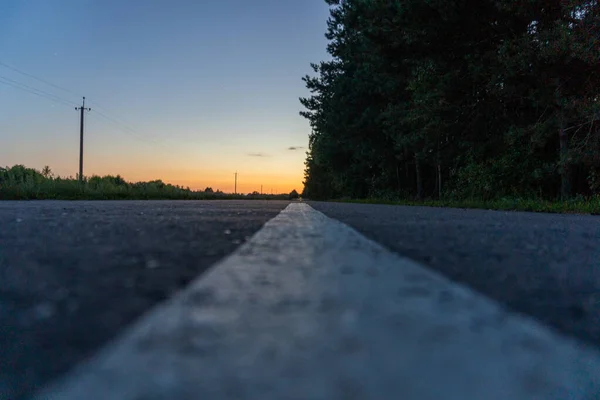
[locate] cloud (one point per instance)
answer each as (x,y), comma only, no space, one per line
(257,155)
(294,148)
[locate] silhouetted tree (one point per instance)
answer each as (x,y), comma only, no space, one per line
(470,98)
(47,172)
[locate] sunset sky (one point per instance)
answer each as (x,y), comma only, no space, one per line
(188,91)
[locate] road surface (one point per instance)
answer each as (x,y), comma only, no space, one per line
(73,275)
(544,265)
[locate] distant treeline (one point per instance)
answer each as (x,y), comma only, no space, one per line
(21,183)
(456,99)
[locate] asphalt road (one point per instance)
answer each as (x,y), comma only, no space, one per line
(543,265)
(73,274)
(310,309)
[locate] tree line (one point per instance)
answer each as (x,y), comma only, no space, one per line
(21,183)
(457,99)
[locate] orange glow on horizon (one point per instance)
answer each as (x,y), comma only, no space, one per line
(188,167)
(243,186)
(276,183)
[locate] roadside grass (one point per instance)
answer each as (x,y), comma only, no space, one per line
(578,205)
(21,183)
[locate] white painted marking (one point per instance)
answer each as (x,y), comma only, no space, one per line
(310,309)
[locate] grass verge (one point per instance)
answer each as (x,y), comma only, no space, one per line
(21,183)
(573,206)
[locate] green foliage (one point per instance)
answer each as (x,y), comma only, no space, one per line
(21,183)
(462,99)
(20,175)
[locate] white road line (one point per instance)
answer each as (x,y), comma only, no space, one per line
(310,309)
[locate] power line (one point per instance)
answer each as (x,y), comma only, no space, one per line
(69,102)
(120,120)
(51,84)
(123,129)
(60,100)
(38,79)
(135,133)
(116,121)
(94,103)
(124,125)
(35,92)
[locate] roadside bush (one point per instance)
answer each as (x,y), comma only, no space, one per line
(21,183)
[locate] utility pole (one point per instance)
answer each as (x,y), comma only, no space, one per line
(261,190)
(82,109)
(235,187)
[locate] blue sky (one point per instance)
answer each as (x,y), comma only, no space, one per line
(199,89)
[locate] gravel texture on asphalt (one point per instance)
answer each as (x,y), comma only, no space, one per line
(309,309)
(73,274)
(543,265)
